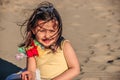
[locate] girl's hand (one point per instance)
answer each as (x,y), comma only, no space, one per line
(27,75)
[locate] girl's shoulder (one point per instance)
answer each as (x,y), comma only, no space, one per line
(64,42)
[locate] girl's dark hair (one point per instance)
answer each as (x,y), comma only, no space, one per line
(46,12)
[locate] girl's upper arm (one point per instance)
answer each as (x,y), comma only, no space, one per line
(31,64)
(70,56)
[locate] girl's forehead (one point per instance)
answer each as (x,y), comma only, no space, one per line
(48,24)
(40,22)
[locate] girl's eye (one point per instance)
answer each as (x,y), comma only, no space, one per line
(41,30)
(51,31)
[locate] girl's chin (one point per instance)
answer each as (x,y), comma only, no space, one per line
(46,44)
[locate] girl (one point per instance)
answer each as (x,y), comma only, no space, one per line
(45,47)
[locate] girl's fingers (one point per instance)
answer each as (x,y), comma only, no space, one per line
(24,78)
(29,77)
(26,75)
(23,75)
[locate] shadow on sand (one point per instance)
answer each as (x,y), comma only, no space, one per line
(7,68)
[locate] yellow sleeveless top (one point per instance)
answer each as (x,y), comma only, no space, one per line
(51,64)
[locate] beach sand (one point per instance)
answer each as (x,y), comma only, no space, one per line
(93,27)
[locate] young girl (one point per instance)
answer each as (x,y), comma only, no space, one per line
(46,48)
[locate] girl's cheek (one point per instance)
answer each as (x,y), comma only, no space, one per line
(38,36)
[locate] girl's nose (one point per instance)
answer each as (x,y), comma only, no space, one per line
(47,35)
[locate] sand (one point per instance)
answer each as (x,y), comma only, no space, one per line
(93,27)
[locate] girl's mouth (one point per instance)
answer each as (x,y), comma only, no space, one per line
(47,40)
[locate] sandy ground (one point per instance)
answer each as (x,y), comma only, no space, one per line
(93,27)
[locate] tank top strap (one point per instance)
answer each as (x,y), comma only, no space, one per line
(63,43)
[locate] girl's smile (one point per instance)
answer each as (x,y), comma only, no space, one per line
(46,32)
(47,41)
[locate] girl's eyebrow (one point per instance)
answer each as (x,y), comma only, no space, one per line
(41,24)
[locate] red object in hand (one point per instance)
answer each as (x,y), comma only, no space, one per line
(32,51)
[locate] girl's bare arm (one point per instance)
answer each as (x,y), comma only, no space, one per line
(29,74)
(72,62)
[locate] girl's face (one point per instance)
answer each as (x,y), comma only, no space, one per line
(46,32)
